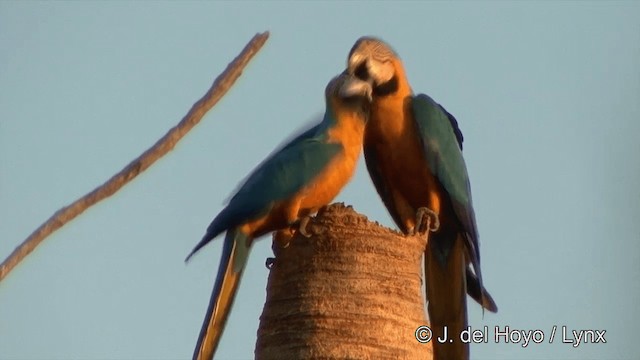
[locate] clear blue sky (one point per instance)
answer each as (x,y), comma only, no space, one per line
(546,93)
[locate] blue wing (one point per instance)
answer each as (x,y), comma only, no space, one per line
(282,175)
(442,144)
(278,177)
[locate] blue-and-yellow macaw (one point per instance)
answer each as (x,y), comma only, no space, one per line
(283,191)
(413,151)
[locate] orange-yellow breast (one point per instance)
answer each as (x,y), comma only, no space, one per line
(393,135)
(326,186)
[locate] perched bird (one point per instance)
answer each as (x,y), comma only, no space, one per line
(413,152)
(281,193)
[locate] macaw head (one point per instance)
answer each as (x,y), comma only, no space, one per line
(346,93)
(374,61)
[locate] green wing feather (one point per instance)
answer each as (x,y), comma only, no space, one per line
(442,145)
(277,178)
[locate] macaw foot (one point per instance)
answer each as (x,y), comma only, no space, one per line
(302,226)
(282,238)
(426,220)
(270,262)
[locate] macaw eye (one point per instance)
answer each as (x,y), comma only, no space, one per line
(361,72)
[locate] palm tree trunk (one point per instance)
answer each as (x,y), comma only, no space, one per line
(350,290)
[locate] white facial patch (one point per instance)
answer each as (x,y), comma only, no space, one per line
(381,72)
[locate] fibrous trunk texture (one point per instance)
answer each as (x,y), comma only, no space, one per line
(352,290)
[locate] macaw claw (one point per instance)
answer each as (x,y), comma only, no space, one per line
(302,226)
(282,238)
(426,220)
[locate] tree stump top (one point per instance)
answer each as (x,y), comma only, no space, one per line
(350,290)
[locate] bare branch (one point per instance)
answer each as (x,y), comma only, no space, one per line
(219,88)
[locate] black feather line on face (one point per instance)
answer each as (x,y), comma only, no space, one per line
(387,88)
(353,101)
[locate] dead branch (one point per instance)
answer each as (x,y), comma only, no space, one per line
(219,88)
